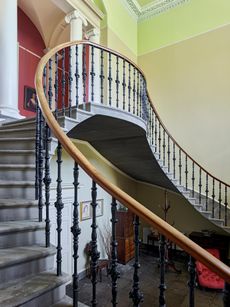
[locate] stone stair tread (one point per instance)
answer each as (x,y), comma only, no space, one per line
(18,151)
(8,203)
(23,290)
(15,255)
(67,302)
(216,219)
(6,129)
(13,166)
(13,226)
(18,139)
(19,122)
(16,183)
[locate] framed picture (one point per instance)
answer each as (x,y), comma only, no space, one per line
(99,208)
(85,210)
(29,99)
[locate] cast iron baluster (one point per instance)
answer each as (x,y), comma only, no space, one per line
(206,191)
(186,172)
(213,198)
(56,85)
(110,78)
(102,77)
(193,177)
(225,207)
(47,182)
(156,133)
(162,286)
(59,206)
(180,166)
(75,229)
(200,185)
(141,96)
(134,90)
(77,76)
(117,81)
(169,152)
(63,81)
(135,294)
(50,94)
(152,114)
(44,80)
(129,88)
(159,139)
(37,151)
(138,85)
(191,283)
(220,200)
(47,179)
(164,145)
(174,160)
(92,73)
(40,166)
(113,271)
(84,74)
(70,80)
(123,84)
(94,254)
(226,297)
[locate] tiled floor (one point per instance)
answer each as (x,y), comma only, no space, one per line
(176,293)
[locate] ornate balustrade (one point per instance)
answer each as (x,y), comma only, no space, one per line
(73,75)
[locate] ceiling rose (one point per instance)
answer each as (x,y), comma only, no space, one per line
(143,9)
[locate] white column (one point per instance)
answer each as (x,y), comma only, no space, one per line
(76,21)
(8,59)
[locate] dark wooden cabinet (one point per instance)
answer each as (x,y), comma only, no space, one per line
(125,236)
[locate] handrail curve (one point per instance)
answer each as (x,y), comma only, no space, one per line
(136,207)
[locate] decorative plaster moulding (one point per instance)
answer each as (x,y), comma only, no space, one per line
(154,8)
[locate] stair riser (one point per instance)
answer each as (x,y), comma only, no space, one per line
(22,238)
(23,145)
(7,158)
(46,299)
(18,133)
(18,214)
(17,174)
(206,214)
(218,223)
(20,192)
(27,268)
(20,125)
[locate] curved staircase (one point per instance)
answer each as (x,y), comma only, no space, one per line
(122,95)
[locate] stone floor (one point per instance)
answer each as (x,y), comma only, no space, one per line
(176,293)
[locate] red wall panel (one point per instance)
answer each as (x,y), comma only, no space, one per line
(31,47)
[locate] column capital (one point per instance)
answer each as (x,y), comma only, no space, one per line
(76,14)
(92,33)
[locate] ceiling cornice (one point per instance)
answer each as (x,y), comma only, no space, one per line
(154,8)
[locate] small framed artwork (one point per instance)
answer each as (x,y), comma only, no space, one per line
(99,208)
(29,99)
(85,210)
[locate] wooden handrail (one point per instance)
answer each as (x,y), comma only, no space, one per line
(136,207)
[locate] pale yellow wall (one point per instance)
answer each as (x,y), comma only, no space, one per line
(181,214)
(189,85)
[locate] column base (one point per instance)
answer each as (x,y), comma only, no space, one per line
(9,114)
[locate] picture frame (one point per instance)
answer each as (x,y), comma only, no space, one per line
(85,210)
(29,99)
(100,207)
